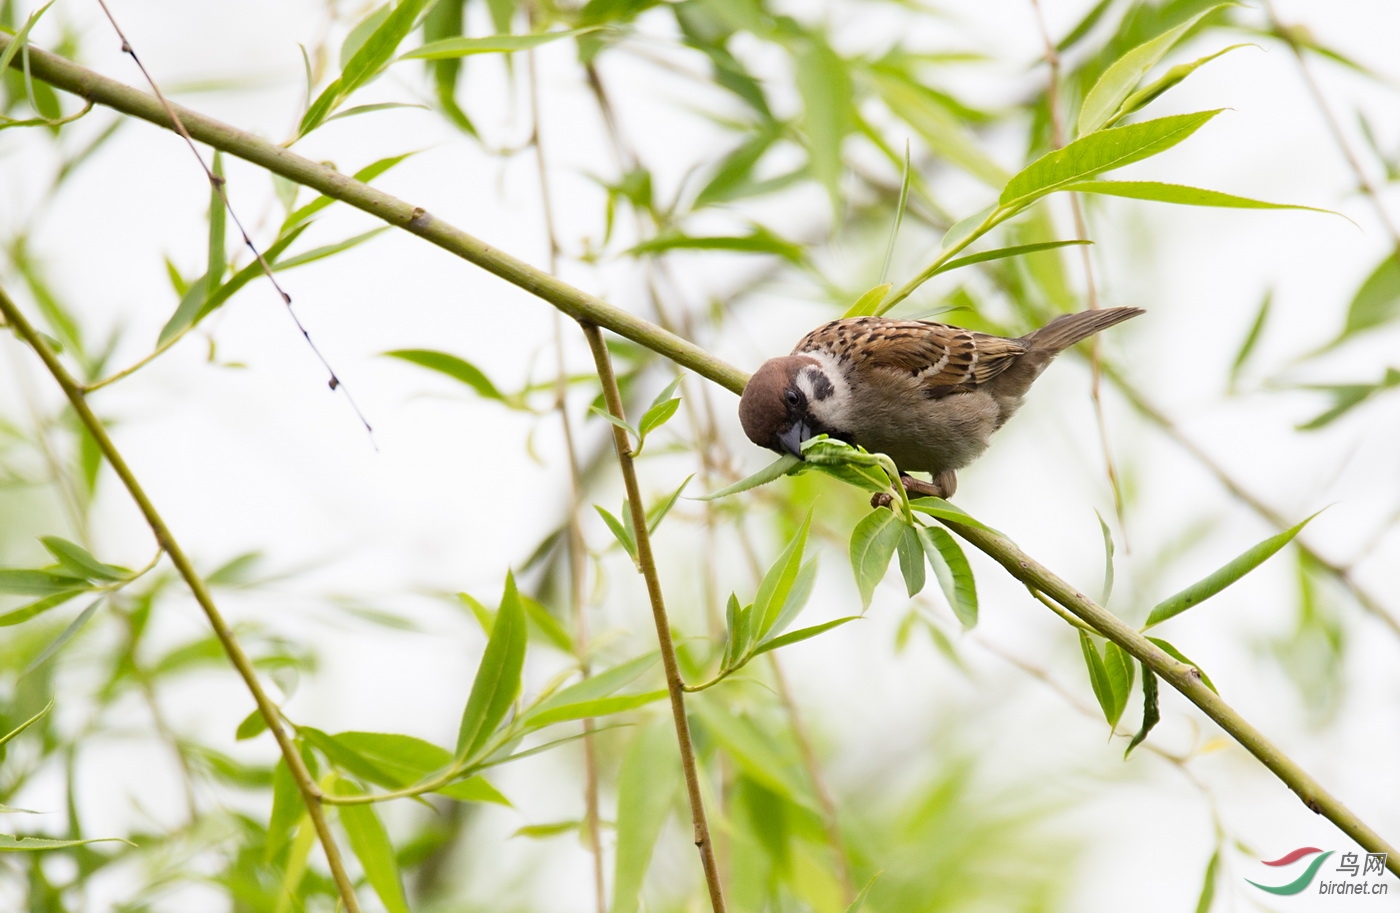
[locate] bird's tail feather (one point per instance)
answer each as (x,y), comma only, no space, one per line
(1067,329)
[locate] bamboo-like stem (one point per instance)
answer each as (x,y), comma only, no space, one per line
(310,792)
(593,313)
(1184,678)
(646,561)
(68,76)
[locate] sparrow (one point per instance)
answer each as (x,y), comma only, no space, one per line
(927,395)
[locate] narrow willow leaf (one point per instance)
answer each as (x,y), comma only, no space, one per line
(1207,587)
(39,606)
(734,176)
(647,786)
(594,687)
(66,635)
(797,598)
(859,903)
(1251,339)
(1150,712)
(473,789)
(755,748)
(659,512)
(360,33)
(953,572)
(1084,27)
(21,38)
(196,300)
(657,416)
(598,707)
(1180,657)
(869,303)
(498,677)
(775,470)
(253,724)
(1207,896)
(944,510)
(943,129)
(553,829)
(852,465)
(873,543)
(801,634)
(732,648)
(614,421)
(1173,77)
(543,622)
(80,561)
(1101,105)
(27,723)
(368,60)
(370,843)
(965,228)
(454,367)
(911,560)
(824,82)
(741,635)
(1377,302)
(1101,151)
(388,759)
(1180,194)
(1346,397)
(758,241)
(369,109)
(287,808)
(491,44)
(900,205)
(620,532)
(1118,664)
(11,843)
(365,175)
(1107,559)
(1003,253)
(777,583)
(328,250)
(1098,677)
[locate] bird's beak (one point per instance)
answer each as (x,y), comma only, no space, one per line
(792,438)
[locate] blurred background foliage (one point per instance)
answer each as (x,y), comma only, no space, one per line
(709,158)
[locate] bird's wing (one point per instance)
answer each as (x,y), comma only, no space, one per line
(936,354)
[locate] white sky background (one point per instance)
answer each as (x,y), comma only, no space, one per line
(265,458)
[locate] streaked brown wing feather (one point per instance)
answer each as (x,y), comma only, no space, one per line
(936,354)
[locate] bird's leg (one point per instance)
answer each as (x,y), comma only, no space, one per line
(942,486)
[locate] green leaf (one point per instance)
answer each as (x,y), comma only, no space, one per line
(945,510)
(36,583)
(553,829)
(370,843)
(873,543)
(911,560)
(1178,193)
(253,724)
(454,367)
(1251,339)
(1103,102)
(614,421)
(1098,678)
(1180,657)
(647,787)
(27,723)
(1346,397)
(1149,93)
(1107,559)
(1085,26)
(498,678)
(828,114)
(852,465)
(657,416)
(545,623)
(1377,302)
(775,470)
(80,561)
(1207,587)
(859,903)
(66,635)
(777,583)
(1150,712)
(758,241)
(592,688)
(197,299)
(869,303)
(1119,666)
(734,176)
(620,532)
(370,109)
(361,33)
(900,206)
(1003,253)
(603,706)
(659,512)
(491,44)
(473,789)
(38,607)
(1207,896)
(1101,151)
(287,809)
(11,843)
(21,37)
(801,634)
(942,129)
(365,175)
(327,250)
(953,572)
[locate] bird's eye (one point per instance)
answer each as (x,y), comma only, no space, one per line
(791,397)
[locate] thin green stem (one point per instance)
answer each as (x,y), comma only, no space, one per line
(993,219)
(310,792)
(139,364)
(646,562)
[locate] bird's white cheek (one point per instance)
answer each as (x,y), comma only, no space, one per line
(828,395)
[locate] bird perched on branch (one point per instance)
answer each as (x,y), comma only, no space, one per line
(925,394)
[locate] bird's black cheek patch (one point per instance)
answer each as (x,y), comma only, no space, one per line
(821,385)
